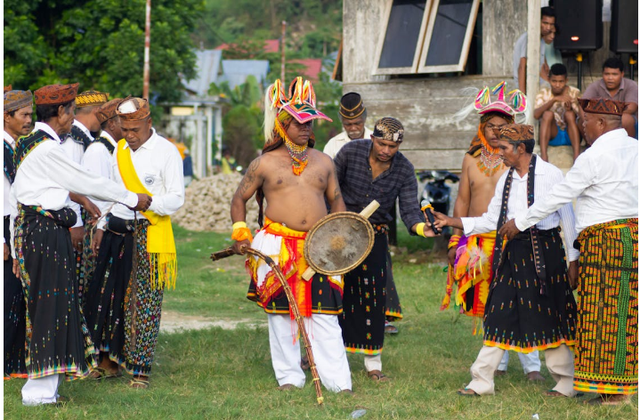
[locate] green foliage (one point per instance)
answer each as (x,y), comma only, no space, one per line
(100,44)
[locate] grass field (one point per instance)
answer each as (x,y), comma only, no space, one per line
(227,374)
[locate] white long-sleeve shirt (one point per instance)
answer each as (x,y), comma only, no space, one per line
(7,183)
(547,176)
(604,179)
(47,175)
(159,166)
(334,145)
(97,159)
(75,151)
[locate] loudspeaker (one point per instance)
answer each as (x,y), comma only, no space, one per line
(624,26)
(579,25)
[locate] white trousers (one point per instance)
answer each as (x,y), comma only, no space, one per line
(41,391)
(373,362)
(559,362)
(327,346)
(530,361)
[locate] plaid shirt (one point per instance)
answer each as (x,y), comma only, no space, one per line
(358,189)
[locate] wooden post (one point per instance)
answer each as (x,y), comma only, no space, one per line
(533,55)
(147,43)
(282,74)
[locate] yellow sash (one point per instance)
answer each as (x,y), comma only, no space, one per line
(160,243)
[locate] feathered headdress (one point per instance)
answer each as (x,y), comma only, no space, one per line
(515,104)
(300,104)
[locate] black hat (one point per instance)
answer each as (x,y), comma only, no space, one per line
(351,106)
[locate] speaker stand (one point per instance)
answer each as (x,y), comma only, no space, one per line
(579,60)
(632,65)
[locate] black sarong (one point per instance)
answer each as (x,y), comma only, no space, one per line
(364,301)
(105,293)
(14,316)
(517,315)
(58,341)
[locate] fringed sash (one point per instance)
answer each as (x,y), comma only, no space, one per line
(160,243)
(9,164)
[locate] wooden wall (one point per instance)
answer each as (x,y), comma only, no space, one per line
(425,103)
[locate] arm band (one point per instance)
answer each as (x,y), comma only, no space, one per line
(420,229)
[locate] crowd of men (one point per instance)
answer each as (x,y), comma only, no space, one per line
(88,243)
(89,249)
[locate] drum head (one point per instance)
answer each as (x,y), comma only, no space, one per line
(338,243)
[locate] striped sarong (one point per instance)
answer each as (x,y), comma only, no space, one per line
(606,351)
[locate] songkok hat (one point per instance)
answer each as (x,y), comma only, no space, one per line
(514,132)
(7,88)
(133,109)
(108,110)
(390,129)
(91,98)
(351,106)
(16,99)
(56,94)
(516,104)
(602,106)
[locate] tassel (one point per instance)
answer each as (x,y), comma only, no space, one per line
(482,98)
(499,90)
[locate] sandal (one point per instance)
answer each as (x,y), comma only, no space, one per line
(102,373)
(139,382)
(466,392)
(554,393)
(304,363)
(377,376)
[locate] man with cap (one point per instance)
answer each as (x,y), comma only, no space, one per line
(471,257)
(530,304)
(295,179)
(97,159)
(18,112)
(368,170)
(58,342)
(124,300)
(604,181)
(353,116)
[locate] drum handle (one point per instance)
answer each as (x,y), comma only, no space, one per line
(366,213)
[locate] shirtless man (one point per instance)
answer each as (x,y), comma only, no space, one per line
(295,179)
(471,258)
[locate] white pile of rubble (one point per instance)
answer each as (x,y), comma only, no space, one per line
(207,205)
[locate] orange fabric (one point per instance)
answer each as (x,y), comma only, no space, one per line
(241,234)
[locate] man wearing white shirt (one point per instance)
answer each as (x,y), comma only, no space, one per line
(18,112)
(97,159)
(126,334)
(604,181)
(530,304)
(57,339)
(75,143)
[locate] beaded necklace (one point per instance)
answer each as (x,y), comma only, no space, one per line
(299,154)
(490,160)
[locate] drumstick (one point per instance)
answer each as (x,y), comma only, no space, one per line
(366,213)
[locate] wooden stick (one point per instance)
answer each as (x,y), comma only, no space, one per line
(294,309)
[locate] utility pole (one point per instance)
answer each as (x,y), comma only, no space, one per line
(147,43)
(284,25)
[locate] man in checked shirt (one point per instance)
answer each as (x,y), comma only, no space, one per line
(375,170)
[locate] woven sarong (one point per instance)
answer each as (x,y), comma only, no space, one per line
(14,317)
(607,340)
(517,316)
(321,295)
(362,320)
(58,341)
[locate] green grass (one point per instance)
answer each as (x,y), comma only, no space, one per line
(223,374)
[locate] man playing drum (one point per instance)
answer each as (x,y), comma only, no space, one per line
(295,179)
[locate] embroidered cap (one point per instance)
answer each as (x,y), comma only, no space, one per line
(602,106)
(56,94)
(108,110)
(7,88)
(516,104)
(351,106)
(91,98)
(16,99)
(390,129)
(301,103)
(514,132)
(133,109)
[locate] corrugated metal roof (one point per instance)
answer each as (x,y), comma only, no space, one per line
(236,71)
(207,71)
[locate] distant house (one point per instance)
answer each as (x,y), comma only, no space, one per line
(313,65)
(235,72)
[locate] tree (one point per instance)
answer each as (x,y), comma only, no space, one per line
(62,41)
